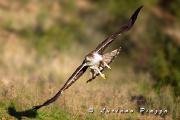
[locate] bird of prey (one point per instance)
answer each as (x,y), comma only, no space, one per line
(96,60)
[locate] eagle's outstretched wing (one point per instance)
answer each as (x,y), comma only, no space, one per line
(83,67)
(108,58)
(76,75)
(101,47)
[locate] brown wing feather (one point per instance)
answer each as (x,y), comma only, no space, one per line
(108,58)
(77,74)
(101,47)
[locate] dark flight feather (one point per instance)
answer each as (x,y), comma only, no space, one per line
(102,46)
(76,75)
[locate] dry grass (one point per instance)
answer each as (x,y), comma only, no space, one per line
(27,80)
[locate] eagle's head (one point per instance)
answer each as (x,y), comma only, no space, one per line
(93,59)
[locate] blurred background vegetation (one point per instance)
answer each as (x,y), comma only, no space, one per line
(40,38)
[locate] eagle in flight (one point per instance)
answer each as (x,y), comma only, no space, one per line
(96,60)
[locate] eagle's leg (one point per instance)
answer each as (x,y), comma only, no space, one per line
(105,64)
(101,74)
(92,72)
(97,69)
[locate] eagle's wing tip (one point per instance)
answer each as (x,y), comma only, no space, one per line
(141,6)
(137,12)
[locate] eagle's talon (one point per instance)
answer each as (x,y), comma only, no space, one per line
(108,67)
(103,76)
(105,64)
